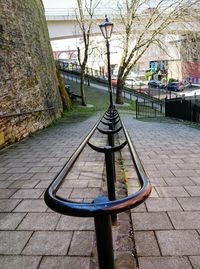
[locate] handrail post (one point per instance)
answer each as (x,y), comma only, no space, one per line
(104,241)
(111,178)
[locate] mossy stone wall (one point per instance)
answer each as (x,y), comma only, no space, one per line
(28,81)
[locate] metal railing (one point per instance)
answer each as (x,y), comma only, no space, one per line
(73,13)
(24,113)
(149,109)
(102,209)
(186,108)
(131,93)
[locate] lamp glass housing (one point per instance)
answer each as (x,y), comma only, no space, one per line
(106,28)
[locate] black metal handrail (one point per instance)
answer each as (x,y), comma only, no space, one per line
(6,115)
(103,209)
(67,207)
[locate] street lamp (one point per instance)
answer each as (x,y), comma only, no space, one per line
(106,29)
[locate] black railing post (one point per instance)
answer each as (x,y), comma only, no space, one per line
(111,143)
(111,178)
(104,241)
(136,108)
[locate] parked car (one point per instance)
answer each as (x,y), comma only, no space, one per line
(133,82)
(114,79)
(102,77)
(175,86)
(156,84)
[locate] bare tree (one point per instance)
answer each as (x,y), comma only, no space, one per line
(142,26)
(85,18)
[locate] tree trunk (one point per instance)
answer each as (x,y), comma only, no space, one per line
(82,90)
(119,97)
(120,86)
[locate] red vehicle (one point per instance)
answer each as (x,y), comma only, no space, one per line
(114,80)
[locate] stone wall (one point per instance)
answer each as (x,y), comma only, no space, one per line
(29,94)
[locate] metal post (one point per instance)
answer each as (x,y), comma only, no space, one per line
(111,178)
(109,73)
(136,104)
(111,142)
(111,139)
(104,241)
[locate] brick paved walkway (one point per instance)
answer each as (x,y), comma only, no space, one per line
(167,226)
(31,235)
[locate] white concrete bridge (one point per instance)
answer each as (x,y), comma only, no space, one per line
(63,24)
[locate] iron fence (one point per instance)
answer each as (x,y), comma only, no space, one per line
(183,108)
(149,109)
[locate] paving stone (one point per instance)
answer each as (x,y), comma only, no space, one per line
(190,166)
(196,180)
(4,184)
(3,169)
(94,183)
(44,176)
(177,242)
(31,206)
(7,205)
(191,204)
(166,166)
(184,173)
(140,208)
(64,192)
(20,176)
(27,193)
(82,244)
(174,191)
(74,223)
(162,204)
(185,220)
(4,176)
(151,221)
(6,193)
(197,171)
(38,169)
(157,181)
(43,184)
(163,173)
(9,221)
(19,262)
(39,221)
(55,169)
(178,181)
(65,263)
(146,244)
(24,184)
(193,190)
(13,242)
(75,183)
(17,170)
(195,260)
(164,263)
(85,193)
(48,243)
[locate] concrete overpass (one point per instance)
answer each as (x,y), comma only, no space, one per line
(63,24)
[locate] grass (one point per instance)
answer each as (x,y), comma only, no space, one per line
(98,98)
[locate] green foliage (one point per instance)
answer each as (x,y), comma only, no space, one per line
(171,80)
(148,74)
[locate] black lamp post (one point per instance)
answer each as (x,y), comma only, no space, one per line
(106,29)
